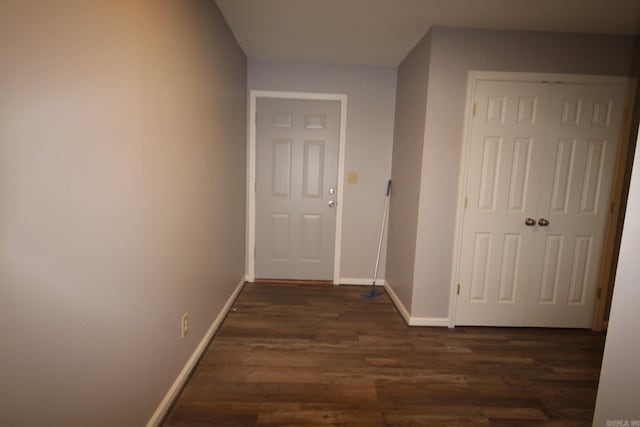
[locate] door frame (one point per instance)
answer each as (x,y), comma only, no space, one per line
(613,219)
(251,171)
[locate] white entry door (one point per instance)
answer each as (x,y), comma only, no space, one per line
(540,171)
(297,145)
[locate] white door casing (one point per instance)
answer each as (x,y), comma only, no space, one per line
(543,151)
(296,188)
(254,96)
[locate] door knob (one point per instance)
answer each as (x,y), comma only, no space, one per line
(332,190)
(543,222)
(331,203)
(530,222)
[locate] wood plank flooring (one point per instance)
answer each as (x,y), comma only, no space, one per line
(317,355)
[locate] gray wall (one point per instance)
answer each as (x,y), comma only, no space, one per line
(408,140)
(455,52)
(618,397)
(370,109)
(122,182)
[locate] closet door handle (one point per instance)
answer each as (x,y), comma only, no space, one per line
(543,222)
(530,222)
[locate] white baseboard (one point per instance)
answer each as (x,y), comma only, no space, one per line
(175,388)
(363,282)
(412,320)
(396,301)
(430,321)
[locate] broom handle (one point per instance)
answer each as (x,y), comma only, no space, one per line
(384,220)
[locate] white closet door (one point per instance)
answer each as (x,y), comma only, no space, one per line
(507,138)
(541,166)
(576,179)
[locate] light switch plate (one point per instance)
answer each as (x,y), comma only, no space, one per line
(352,177)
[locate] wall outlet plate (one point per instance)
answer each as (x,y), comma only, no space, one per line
(185,324)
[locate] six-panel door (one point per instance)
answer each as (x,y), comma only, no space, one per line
(576,178)
(508,133)
(539,176)
(296,182)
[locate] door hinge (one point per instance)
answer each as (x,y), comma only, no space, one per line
(474,110)
(458,291)
(598,293)
(466,202)
(612,206)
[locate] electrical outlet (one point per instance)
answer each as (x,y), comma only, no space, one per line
(185,324)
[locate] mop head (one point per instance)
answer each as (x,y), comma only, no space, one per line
(372,293)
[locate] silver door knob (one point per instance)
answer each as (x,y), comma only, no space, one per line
(332,190)
(331,203)
(543,222)
(530,222)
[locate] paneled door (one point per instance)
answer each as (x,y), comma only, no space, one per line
(508,133)
(576,176)
(297,145)
(540,171)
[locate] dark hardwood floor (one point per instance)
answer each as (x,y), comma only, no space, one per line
(317,355)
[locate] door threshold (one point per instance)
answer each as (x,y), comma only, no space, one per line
(293,282)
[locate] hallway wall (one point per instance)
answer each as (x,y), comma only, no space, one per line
(122,181)
(617,392)
(408,142)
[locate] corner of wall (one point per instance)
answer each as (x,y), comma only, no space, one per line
(176,388)
(413,320)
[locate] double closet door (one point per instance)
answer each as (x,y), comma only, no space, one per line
(538,183)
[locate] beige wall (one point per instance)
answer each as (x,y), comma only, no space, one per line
(122,181)
(370,108)
(408,140)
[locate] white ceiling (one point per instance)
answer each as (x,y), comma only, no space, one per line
(382,32)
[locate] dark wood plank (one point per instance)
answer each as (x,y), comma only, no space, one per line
(316,355)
